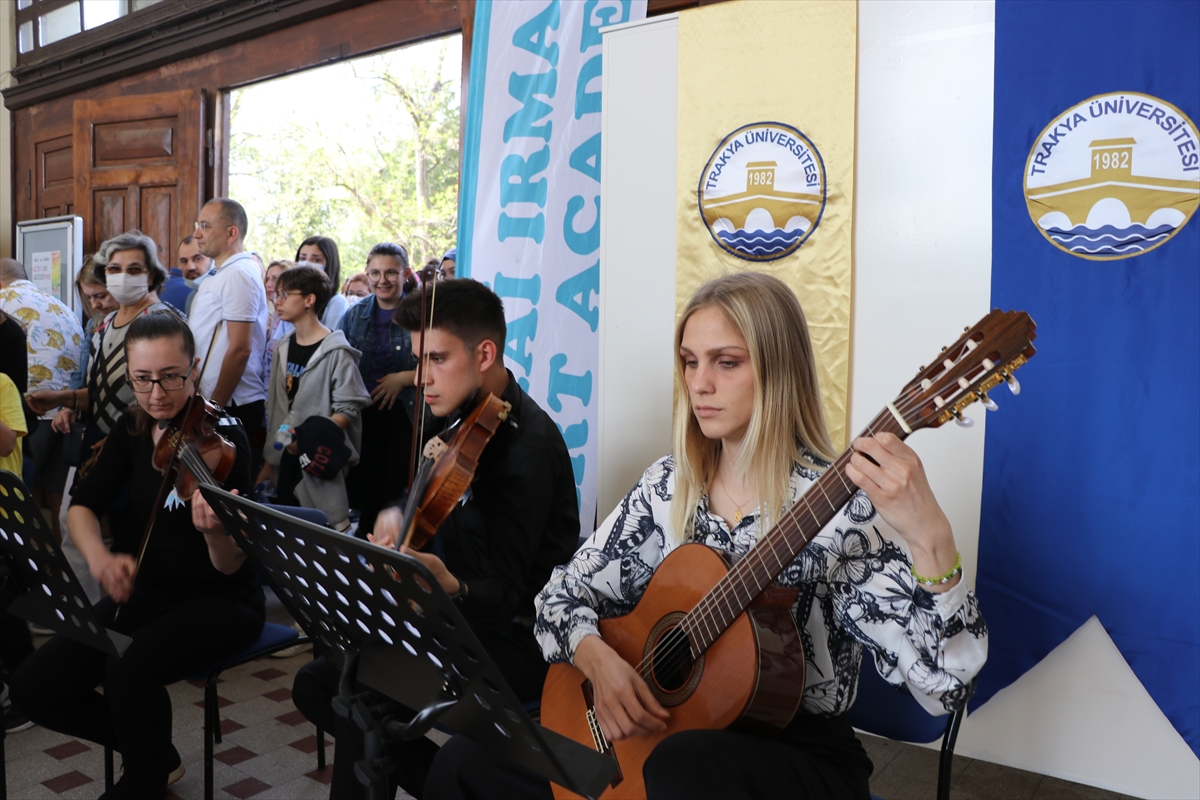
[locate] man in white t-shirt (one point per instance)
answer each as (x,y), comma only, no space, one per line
(230,304)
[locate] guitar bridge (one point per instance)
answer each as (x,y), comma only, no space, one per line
(603,746)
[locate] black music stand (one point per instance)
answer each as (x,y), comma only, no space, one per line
(46,590)
(383,618)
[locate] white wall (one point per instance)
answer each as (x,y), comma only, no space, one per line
(923,156)
(637,252)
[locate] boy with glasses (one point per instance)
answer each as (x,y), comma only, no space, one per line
(314,374)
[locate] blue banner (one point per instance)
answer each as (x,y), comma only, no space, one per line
(1091,497)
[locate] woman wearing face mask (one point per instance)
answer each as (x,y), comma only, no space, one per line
(131,273)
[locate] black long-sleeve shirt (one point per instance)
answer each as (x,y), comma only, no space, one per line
(518,520)
(176,562)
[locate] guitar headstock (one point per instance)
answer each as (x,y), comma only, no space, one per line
(985,356)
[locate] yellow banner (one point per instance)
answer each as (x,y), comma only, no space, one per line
(766,162)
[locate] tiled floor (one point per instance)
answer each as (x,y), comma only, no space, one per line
(269,751)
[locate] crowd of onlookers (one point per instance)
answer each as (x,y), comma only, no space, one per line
(306,356)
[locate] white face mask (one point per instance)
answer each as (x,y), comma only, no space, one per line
(128,289)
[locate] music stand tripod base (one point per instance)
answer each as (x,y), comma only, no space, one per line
(405,637)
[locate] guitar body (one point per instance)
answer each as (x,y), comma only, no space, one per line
(751,677)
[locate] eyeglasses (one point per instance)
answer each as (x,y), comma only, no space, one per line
(168,383)
(113,269)
(284,295)
(204,226)
(391,275)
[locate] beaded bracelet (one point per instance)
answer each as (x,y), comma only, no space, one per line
(949,576)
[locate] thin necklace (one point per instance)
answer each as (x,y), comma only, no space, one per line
(737,515)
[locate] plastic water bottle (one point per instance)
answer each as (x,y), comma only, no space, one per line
(264,492)
(283,436)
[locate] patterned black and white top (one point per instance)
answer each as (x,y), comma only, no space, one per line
(856,591)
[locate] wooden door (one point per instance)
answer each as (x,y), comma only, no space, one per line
(139,163)
(53,176)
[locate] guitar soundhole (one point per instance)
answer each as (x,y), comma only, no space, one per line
(672,664)
(673,672)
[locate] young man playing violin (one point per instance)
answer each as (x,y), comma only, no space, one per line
(517,521)
(191,602)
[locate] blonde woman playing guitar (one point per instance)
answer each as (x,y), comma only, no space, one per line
(749,441)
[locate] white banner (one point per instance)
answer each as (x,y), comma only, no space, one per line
(529,205)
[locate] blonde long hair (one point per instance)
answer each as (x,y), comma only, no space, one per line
(786,417)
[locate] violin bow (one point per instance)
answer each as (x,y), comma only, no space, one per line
(166,479)
(418,430)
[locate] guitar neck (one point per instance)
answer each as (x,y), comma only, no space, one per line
(754,572)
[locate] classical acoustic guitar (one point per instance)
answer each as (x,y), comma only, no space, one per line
(718,645)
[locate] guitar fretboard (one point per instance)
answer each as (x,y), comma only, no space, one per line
(811,512)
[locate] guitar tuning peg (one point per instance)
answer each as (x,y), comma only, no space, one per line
(988,402)
(963,421)
(1013,386)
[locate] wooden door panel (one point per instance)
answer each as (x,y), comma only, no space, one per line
(138,163)
(108,215)
(53,179)
(148,141)
(157,220)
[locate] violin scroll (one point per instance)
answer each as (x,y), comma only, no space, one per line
(195,451)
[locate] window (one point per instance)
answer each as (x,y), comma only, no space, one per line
(44,22)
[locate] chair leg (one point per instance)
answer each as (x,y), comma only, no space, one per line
(108,768)
(212,706)
(320,748)
(212,730)
(946,760)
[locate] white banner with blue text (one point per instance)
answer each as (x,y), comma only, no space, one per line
(529,205)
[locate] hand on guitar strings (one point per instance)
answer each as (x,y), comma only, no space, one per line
(891,474)
(624,704)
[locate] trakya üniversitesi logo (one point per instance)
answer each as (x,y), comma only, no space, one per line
(1114,176)
(762,192)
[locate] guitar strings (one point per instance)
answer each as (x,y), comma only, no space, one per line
(676,644)
(724,588)
(678,637)
(672,646)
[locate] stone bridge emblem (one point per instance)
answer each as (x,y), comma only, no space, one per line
(1114,176)
(762,192)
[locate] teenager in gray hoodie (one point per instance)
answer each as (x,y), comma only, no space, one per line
(314,372)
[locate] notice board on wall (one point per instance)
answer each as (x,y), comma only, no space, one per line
(51,250)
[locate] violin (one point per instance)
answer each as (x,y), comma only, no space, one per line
(191,446)
(190,453)
(448,469)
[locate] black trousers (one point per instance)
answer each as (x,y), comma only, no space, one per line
(16,642)
(380,477)
(816,758)
(172,639)
(316,684)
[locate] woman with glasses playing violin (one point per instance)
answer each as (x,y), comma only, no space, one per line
(129,268)
(192,602)
(388,369)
